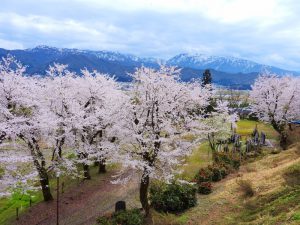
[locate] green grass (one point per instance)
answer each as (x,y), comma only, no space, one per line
(200,157)
(296,216)
(17,200)
(169,218)
(246,127)
(274,208)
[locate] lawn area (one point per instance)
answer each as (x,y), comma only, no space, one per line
(201,157)
(246,127)
(8,205)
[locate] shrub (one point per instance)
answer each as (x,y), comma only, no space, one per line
(235,162)
(204,175)
(124,217)
(246,187)
(212,173)
(173,197)
(205,188)
(223,158)
(216,174)
(228,159)
(105,220)
(224,171)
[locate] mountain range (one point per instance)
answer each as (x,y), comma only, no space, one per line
(226,71)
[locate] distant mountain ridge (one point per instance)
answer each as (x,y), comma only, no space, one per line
(39,59)
(225,64)
(226,71)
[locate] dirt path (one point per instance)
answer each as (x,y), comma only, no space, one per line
(82,204)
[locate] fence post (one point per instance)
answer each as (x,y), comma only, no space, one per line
(17,213)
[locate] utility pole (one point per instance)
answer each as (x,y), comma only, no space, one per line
(57,199)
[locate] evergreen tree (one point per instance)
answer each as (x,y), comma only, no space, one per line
(207,78)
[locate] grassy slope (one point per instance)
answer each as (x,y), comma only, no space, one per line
(277,201)
(274,201)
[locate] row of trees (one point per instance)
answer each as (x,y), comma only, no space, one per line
(91,117)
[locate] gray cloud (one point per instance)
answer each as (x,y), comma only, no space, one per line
(270,37)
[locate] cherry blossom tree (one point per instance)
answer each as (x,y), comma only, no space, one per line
(19,110)
(276,100)
(100,101)
(58,110)
(159,112)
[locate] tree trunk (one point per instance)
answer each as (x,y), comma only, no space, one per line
(283,140)
(102,167)
(44,181)
(212,145)
(86,172)
(2,136)
(283,135)
(144,193)
(40,164)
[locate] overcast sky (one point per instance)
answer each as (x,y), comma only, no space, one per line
(265,31)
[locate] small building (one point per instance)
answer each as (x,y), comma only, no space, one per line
(295,122)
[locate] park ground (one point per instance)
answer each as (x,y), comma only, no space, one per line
(276,198)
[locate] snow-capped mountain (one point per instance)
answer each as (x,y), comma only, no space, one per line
(116,64)
(225,64)
(227,71)
(105,55)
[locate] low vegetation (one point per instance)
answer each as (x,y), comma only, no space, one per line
(174,197)
(124,217)
(292,175)
(246,187)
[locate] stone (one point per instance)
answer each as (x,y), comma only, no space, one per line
(120,205)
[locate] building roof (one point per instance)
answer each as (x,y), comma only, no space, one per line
(295,122)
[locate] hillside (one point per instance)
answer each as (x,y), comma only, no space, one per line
(276,200)
(274,177)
